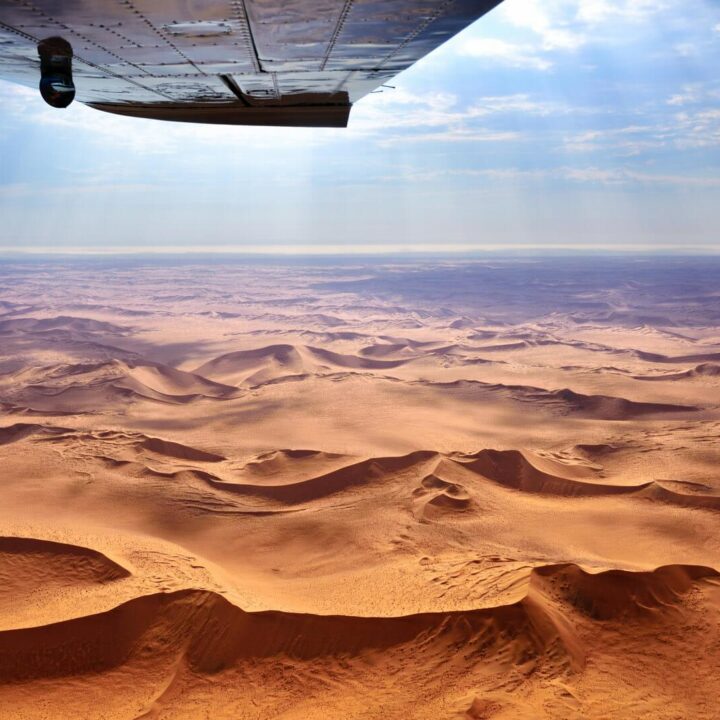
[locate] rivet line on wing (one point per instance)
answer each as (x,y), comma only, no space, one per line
(79,58)
(88,41)
(342,18)
(240,11)
(418,31)
(162,35)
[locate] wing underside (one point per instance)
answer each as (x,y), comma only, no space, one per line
(255,62)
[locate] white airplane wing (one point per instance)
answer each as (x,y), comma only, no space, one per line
(238,62)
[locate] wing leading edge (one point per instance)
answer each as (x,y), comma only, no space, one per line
(235,62)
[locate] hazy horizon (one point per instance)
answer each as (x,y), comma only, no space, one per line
(394,253)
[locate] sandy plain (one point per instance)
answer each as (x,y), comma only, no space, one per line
(436,489)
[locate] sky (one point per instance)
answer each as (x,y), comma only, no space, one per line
(548,124)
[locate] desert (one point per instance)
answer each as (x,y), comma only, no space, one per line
(471,488)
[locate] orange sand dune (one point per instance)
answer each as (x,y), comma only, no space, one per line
(704,370)
(465,490)
(201,634)
(28,564)
(254,367)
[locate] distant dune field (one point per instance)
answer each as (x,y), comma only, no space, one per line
(476,490)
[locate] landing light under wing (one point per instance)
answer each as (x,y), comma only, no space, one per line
(235,62)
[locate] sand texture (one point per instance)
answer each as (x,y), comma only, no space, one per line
(483,490)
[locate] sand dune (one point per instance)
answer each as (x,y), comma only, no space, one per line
(361,473)
(141,443)
(20,431)
(606,407)
(567,401)
(352,361)
(178,450)
(513,469)
(435,496)
(276,465)
(704,370)
(254,366)
(518,470)
(60,322)
(260,365)
(93,387)
(169,381)
(692,358)
(211,637)
(680,493)
(28,564)
(521,471)
(292,478)
(385,349)
(462,489)
(615,594)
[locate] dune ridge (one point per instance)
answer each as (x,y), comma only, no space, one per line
(60,322)
(212,634)
(300,477)
(357,474)
(43,561)
(566,401)
(295,477)
(272,362)
(704,370)
(20,431)
(93,387)
(178,450)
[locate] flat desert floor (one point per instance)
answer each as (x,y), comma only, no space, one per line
(370,489)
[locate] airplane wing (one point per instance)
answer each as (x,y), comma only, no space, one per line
(237,62)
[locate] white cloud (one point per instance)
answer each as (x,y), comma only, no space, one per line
(593,175)
(520,103)
(624,176)
(628,140)
(19,190)
(402,109)
(453,135)
(548,20)
(599,11)
(692,128)
(685,50)
(504,53)
(700,129)
(584,175)
(594,11)
(689,94)
(536,31)
(435,117)
(568,25)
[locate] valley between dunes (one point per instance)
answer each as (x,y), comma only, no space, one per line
(469,490)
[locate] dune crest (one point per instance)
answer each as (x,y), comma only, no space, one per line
(212,635)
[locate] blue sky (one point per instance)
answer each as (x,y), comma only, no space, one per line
(548,124)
